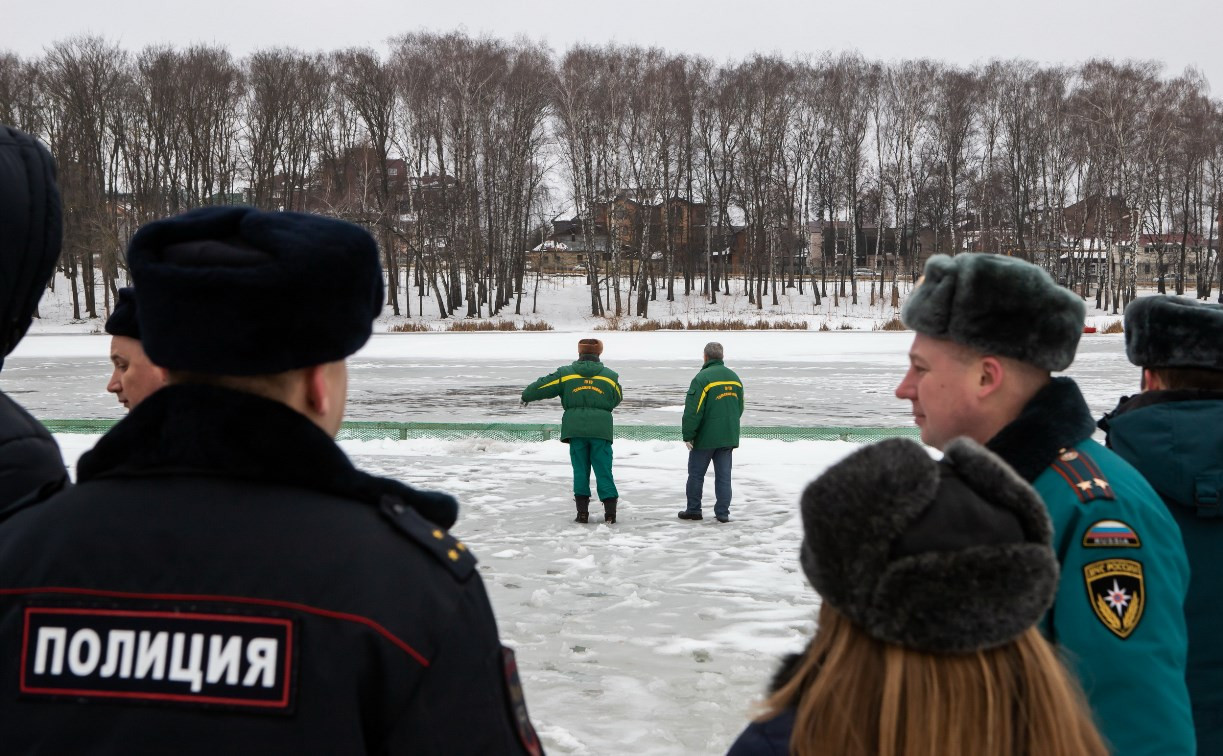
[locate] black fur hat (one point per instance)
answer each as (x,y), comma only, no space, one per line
(942,557)
(997,305)
(31,231)
(1174,332)
(239,291)
(122,320)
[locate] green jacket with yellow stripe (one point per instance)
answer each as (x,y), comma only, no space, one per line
(1118,616)
(589,391)
(712,408)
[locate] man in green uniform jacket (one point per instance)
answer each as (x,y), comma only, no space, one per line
(711,431)
(990,331)
(589,392)
(1173,434)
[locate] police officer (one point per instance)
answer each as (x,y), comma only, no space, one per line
(135,376)
(990,331)
(710,428)
(589,391)
(1173,433)
(222,579)
(30,237)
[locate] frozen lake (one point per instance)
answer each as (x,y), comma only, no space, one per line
(794,378)
(652,636)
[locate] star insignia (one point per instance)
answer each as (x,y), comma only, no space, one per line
(1084,485)
(1102,483)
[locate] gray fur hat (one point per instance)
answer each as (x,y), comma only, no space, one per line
(1173,332)
(997,305)
(942,557)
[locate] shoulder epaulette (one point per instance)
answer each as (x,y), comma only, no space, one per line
(1083,475)
(447,549)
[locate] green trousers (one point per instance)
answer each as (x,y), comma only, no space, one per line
(585,453)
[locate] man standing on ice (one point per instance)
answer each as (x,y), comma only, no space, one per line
(589,391)
(222,579)
(990,331)
(710,428)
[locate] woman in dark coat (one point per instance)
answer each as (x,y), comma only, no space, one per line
(933,576)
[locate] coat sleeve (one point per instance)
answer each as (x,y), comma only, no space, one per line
(471,701)
(692,416)
(28,465)
(1119,621)
(543,388)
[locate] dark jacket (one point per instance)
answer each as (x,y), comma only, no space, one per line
(30,239)
(589,391)
(30,462)
(1119,610)
(1175,439)
(223,580)
(712,408)
(771,737)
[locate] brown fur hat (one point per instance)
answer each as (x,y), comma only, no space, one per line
(590,346)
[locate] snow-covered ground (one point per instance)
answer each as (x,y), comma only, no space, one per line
(650,636)
(563,302)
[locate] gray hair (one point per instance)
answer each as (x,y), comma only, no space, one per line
(713,351)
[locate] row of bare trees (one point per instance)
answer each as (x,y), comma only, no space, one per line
(456,152)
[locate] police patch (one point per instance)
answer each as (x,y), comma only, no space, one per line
(176,658)
(1117,593)
(1111,534)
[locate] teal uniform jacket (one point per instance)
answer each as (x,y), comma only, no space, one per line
(589,391)
(1175,439)
(713,407)
(1118,617)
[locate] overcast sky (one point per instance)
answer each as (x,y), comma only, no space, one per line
(1178,33)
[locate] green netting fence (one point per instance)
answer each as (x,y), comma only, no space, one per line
(367,431)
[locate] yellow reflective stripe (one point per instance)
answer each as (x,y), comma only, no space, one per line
(558,380)
(716,383)
(609,380)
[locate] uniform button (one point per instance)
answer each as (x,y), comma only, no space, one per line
(438,534)
(460,546)
(454,555)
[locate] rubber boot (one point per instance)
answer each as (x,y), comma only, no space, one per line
(583,503)
(609,511)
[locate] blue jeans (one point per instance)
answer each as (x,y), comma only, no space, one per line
(698,463)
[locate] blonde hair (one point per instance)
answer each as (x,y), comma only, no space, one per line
(857,696)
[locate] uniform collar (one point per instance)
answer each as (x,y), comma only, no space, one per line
(210,431)
(1056,418)
(711,363)
(1152,398)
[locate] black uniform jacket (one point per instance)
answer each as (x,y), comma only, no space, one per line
(30,462)
(222,580)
